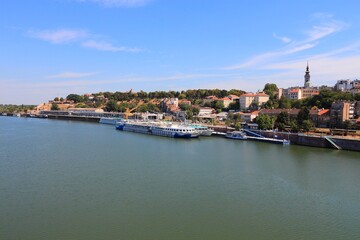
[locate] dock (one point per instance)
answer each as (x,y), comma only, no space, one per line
(269,140)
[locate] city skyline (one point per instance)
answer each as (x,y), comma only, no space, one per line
(53,48)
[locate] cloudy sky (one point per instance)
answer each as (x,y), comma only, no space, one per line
(52,48)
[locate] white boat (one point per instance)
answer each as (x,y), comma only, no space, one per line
(240,135)
(109,120)
(204,131)
(159,129)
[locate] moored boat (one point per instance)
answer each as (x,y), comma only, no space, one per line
(158,129)
(109,120)
(239,135)
(204,130)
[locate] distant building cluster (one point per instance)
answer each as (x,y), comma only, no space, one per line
(251,105)
(339,112)
(298,93)
(348,86)
(293,93)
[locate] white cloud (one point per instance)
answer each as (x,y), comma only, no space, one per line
(326,27)
(104,46)
(59,36)
(72,75)
(298,48)
(283,39)
(119,3)
(81,37)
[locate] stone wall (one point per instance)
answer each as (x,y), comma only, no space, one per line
(312,141)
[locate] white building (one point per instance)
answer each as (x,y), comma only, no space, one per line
(249,117)
(295,94)
(344,85)
(206,111)
(247,99)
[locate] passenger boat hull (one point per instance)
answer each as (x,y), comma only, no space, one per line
(158,130)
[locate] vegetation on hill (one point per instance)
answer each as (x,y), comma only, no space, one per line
(9,108)
(192,94)
(119,101)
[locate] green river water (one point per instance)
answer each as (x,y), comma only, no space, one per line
(76,180)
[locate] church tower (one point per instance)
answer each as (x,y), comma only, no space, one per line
(307,82)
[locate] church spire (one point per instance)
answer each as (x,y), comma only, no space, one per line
(307,82)
(307,67)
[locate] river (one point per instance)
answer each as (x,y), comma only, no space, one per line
(78,180)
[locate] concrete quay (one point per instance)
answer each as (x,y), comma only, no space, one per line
(314,141)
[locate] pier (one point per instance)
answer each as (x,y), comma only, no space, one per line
(269,140)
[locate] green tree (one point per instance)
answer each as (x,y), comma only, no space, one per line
(265,122)
(254,106)
(111,106)
(234,106)
(294,126)
(347,124)
(218,105)
(55,107)
(56,99)
(270,89)
(285,103)
(195,111)
(303,115)
(184,106)
(357,96)
(282,121)
(306,125)
(76,98)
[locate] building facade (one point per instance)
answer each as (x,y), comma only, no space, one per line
(339,112)
(247,99)
(295,94)
(226,101)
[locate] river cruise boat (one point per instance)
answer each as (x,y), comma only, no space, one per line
(239,135)
(158,129)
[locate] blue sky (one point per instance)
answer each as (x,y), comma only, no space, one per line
(52,48)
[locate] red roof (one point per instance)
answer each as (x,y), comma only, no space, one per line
(323,111)
(294,90)
(253,94)
(358,120)
(211,97)
(225,99)
(319,112)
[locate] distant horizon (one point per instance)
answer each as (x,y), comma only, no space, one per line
(158,45)
(159,90)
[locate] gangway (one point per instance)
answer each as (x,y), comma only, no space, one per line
(251,133)
(332,143)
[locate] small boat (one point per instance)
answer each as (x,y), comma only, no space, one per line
(239,135)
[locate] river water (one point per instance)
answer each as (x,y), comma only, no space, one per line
(76,180)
